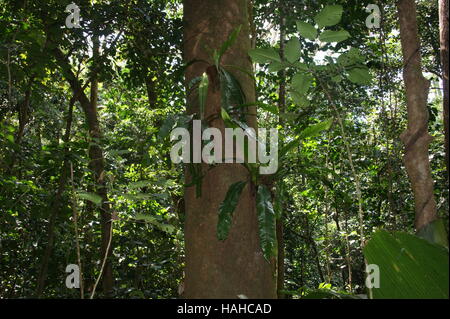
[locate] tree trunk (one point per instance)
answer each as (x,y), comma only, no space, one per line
(221,269)
(282,110)
(97,166)
(55,207)
(97,161)
(443,28)
(416,137)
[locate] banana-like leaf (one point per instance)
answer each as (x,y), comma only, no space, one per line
(409,267)
(266,222)
(227,208)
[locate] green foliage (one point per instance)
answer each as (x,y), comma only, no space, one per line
(97,200)
(226,45)
(359,76)
(266,222)
(410,267)
(329,16)
(310,131)
(264,55)
(334,36)
(306,30)
(227,208)
(293,50)
(301,83)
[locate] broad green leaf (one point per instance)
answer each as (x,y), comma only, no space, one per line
(203,93)
(299,98)
(296,97)
(334,36)
(306,30)
(227,208)
(266,222)
(263,55)
(409,267)
(301,66)
(329,16)
(292,50)
(353,56)
(359,76)
(96,199)
(435,232)
(301,82)
(275,66)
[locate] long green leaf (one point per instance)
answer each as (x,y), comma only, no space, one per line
(266,222)
(232,94)
(228,43)
(227,208)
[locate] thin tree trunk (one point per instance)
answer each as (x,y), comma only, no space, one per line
(416,137)
(444,34)
(221,269)
(97,161)
(56,204)
(97,166)
(281,109)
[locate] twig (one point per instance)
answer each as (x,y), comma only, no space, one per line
(77,242)
(104,261)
